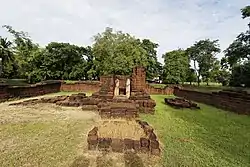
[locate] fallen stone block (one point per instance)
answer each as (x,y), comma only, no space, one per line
(104,143)
(156,151)
(117,145)
(129,144)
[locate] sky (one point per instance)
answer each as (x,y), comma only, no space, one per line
(172,24)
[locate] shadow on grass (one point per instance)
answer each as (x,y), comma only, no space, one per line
(132,160)
(81,161)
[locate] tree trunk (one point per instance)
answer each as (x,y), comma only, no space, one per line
(198,79)
(1,67)
(197,73)
(190,83)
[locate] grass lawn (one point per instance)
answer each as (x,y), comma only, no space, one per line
(50,135)
(158,85)
(14,82)
(206,137)
(212,87)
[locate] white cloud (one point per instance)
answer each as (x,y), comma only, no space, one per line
(171,24)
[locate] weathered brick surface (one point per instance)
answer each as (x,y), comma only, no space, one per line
(163,91)
(117,110)
(7,92)
(138,79)
(129,144)
(104,143)
(81,86)
(181,103)
(117,145)
(238,104)
(3,92)
(144,145)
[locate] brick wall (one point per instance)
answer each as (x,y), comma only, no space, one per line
(82,86)
(122,80)
(7,92)
(239,105)
(163,91)
(34,90)
(138,79)
(3,92)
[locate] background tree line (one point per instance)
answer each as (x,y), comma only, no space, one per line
(117,53)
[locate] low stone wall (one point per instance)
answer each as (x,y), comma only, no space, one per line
(149,144)
(115,109)
(163,91)
(240,105)
(34,90)
(7,92)
(95,86)
(3,92)
(81,86)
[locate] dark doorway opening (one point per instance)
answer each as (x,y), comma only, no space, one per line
(122,91)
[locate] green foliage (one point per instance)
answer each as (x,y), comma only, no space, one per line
(239,50)
(245,12)
(202,53)
(237,55)
(7,57)
(176,66)
(58,61)
(222,76)
(114,53)
(191,76)
(23,48)
(241,75)
(154,68)
(118,53)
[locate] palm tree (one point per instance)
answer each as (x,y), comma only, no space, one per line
(6,53)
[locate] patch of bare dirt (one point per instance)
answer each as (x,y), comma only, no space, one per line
(120,129)
(42,112)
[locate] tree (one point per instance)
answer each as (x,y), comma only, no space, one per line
(245,12)
(202,53)
(153,67)
(241,75)
(191,76)
(237,55)
(239,50)
(117,53)
(176,66)
(23,48)
(6,55)
(90,69)
(58,61)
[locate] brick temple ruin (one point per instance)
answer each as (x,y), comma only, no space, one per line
(120,97)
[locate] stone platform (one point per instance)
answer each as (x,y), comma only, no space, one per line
(146,143)
(181,103)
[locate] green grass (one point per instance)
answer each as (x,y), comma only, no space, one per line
(70,81)
(50,143)
(158,85)
(214,84)
(50,135)
(14,82)
(206,137)
(211,88)
(205,88)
